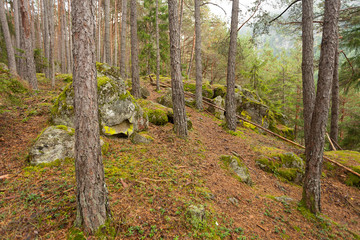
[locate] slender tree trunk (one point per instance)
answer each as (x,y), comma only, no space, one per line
(91,192)
(307,65)
(38,25)
(191,55)
(123,39)
(16,23)
(334,128)
(61,45)
(99,32)
(180,124)
(50,14)
(198,93)
(27,45)
(116,36)
(70,38)
(157,46)
(107,32)
(32,23)
(46,35)
(230,113)
(9,47)
(314,155)
(135,91)
(67,47)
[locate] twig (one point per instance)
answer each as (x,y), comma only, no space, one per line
(353,71)
(284,10)
(331,143)
(214,5)
(261,227)
(257,7)
(157,180)
(336,144)
(6,176)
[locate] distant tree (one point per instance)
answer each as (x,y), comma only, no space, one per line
(230,114)
(123,39)
(28,70)
(9,47)
(180,124)
(91,192)
(198,92)
(135,90)
(157,46)
(316,134)
(107,32)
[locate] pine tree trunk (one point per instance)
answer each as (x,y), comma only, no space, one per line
(116,36)
(50,14)
(61,45)
(307,65)
(91,192)
(32,24)
(9,47)
(46,35)
(99,32)
(67,47)
(70,38)
(334,128)
(107,32)
(230,113)
(27,45)
(198,92)
(123,39)
(135,91)
(157,46)
(180,124)
(38,25)
(16,23)
(314,155)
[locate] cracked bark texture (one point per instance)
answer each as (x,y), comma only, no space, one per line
(91,192)
(198,91)
(180,124)
(316,137)
(230,114)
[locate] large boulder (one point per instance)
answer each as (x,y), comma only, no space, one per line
(157,113)
(55,142)
(119,113)
(219,102)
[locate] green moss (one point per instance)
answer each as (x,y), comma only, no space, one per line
(61,99)
(105,148)
(64,77)
(157,116)
(206,89)
(267,164)
(109,130)
(288,173)
(12,89)
(219,90)
(101,81)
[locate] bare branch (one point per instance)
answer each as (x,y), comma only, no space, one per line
(257,7)
(213,4)
(353,71)
(284,10)
(288,23)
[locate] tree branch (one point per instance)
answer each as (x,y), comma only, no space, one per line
(353,71)
(213,4)
(287,23)
(284,10)
(257,7)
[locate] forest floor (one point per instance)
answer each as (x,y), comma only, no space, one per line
(152,186)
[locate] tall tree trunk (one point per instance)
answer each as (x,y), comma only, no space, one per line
(27,45)
(180,124)
(9,47)
(230,114)
(32,23)
(314,155)
(91,192)
(135,91)
(123,39)
(115,62)
(50,14)
(107,32)
(198,93)
(61,45)
(38,25)
(46,35)
(70,38)
(191,55)
(157,46)
(67,47)
(334,128)
(16,23)
(307,65)
(99,32)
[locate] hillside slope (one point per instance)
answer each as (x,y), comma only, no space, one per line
(154,186)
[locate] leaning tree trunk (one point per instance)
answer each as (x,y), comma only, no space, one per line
(198,92)
(315,147)
(26,44)
(107,32)
(334,128)
(9,47)
(135,91)
(230,113)
(307,65)
(157,46)
(180,124)
(91,192)
(123,39)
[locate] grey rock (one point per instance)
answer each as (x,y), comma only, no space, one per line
(196,215)
(285,199)
(55,142)
(238,167)
(166,99)
(234,201)
(138,138)
(219,102)
(144,92)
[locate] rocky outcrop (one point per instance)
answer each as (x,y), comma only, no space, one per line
(238,167)
(119,113)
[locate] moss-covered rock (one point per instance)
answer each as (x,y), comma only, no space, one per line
(206,89)
(219,102)
(141,138)
(166,99)
(238,167)
(219,90)
(286,165)
(157,113)
(119,113)
(64,77)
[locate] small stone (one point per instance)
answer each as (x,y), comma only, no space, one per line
(138,138)
(234,201)
(196,215)
(285,199)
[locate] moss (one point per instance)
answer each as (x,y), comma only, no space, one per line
(157,116)
(206,89)
(289,174)
(101,81)
(105,148)
(109,130)
(219,90)
(267,164)
(64,77)
(61,99)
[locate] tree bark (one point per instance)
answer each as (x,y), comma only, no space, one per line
(107,32)
(67,44)
(180,124)
(157,46)
(123,40)
(230,114)
(307,65)
(50,13)
(9,47)
(16,23)
(198,92)
(27,45)
(46,34)
(314,155)
(135,90)
(99,31)
(115,62)
(334,128)
(91,192)
(61,45)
